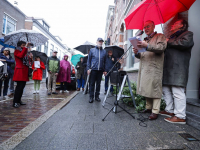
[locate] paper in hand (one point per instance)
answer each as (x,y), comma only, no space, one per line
(37,64)
(134,41)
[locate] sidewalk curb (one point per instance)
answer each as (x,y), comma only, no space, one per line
(12,142)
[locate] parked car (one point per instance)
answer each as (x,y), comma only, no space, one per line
(72,85)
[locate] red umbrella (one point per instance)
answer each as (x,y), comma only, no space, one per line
(159,11)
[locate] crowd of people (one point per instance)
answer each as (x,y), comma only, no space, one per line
(163,71)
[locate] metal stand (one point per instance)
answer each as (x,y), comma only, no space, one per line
(125,79)
(118,97)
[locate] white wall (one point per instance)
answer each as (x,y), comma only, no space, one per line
(194,22)
(51,41)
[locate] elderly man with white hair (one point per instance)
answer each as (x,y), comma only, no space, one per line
(150,72)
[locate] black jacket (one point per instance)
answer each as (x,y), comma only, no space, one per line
(177,59)
(109,63)
(85,66)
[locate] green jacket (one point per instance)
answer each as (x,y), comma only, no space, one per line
(53,64)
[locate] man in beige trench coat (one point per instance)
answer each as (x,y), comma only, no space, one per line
(150,72)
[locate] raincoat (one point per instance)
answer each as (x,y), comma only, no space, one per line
(64,74)
(151,67)
(37,74)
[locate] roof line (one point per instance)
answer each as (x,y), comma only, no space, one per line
(15,7)
(49,33)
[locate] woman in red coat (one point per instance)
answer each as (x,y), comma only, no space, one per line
(37,74)
(20,72)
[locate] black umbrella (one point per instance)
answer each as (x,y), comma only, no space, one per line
(43,56)
(117,51)
(85,47)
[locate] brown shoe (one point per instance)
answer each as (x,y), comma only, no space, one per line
(11,95)
(82,89)
(78,89)
(176,120)
(146,111)
(164,113)
(153,116)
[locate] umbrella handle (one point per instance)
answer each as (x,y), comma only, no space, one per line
(27,37)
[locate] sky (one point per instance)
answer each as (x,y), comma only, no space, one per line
(75,21)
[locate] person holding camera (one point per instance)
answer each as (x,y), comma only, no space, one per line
(21,72)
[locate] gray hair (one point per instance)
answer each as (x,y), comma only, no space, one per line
(150,21)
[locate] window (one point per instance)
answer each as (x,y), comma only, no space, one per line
(52,48)
(38,48)
(46,26)
(9,24)
(46,47)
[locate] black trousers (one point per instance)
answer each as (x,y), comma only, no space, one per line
(63,86)
(95,78)
(19,91)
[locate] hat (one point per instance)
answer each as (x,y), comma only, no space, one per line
(55,51)
(6,49)
(100,39)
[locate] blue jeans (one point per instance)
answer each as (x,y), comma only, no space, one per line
(11,83)
(5,89)
(81,82)
(106,83)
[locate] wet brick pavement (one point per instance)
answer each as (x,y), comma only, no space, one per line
(12,120)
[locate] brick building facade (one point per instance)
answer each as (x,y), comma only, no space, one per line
(11,18)
(119,36)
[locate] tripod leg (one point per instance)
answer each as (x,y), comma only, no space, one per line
(122,86)
(108,113)
(127,112)
(104,101)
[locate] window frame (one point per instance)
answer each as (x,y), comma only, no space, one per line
(6,16)
(52,48)
(46,46)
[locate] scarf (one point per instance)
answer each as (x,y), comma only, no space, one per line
(149,37)
(19,48)
(176,34)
